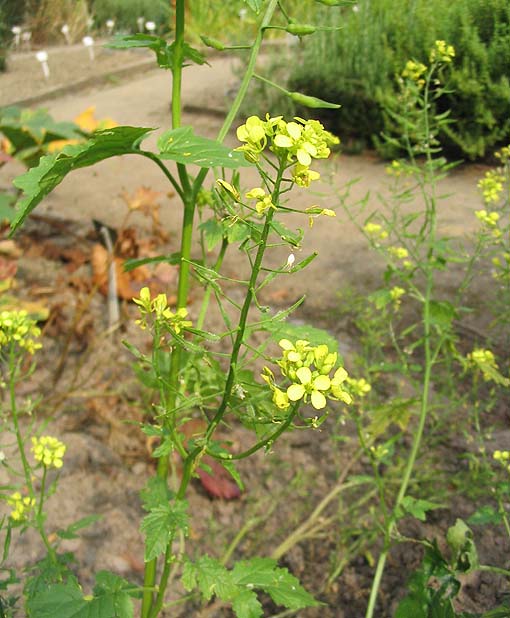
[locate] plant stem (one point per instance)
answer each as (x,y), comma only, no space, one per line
(429,228)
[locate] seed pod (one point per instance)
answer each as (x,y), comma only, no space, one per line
(314,102)
(214,43)
(300,29)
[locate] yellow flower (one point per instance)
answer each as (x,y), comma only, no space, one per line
(309,384)
(415,71)
(49,451)
(375,231)
(303,176)
(491,186)
(442,52)
(20,506)
(264,201)
(399,253)
(16,327)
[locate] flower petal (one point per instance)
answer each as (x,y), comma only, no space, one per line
(295,392)
(318,400)
(304,374)
(322,383)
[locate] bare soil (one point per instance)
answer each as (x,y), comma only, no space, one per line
(91,394)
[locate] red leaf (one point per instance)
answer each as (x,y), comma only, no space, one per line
(218,483)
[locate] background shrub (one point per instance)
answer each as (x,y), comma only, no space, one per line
(126,12)
(357,66)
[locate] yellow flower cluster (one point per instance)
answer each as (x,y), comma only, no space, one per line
(49,451)
(399,253)
(396,168)
(503,154)
(396,294)
(414,71)
(485,361)
(375,231)
(21,506)
(489,218)
(297,142)
(16,327)
(308,368)
(491,186)
(442,52)
(503,457)
(158,309)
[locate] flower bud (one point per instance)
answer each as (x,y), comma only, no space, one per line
(214,43)
(313,102)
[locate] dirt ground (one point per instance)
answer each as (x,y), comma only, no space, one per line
(107,463)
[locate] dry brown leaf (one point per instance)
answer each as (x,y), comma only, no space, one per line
(143,199)
(10,248)
(128,283)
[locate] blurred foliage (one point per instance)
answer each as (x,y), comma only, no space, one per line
(125,13)
(358,66)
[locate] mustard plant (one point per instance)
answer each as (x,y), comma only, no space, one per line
(423,340)
(188,366)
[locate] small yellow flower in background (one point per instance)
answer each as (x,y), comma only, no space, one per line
(375,231)
(21,506)
(503,154)
(485,361)
(396,294)
(398,253)
(264,201)
(414,71)
(360,387)
(49,451)
(489,218)
(503,457)
(491,186)
(442,52)
(395,169)
(16,327)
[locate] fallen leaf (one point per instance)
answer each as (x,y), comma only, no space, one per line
(88,122)
(128,283)
(218,483)
(10,248)
(143,199)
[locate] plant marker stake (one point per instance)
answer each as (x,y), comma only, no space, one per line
(110,24)
(88,41)
(151,26)
(42,56)
(26,38)
(65,31)
(140,22)
(16,30)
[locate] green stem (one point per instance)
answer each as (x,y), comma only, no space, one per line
(430,357)
(189,463)
(209,288)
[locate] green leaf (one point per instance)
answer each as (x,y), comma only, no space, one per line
(282,586)
(174,258)
(416,507)
(460,539)
(70,531)
(164,51)
(246,605)
(213,233)
(287,235)
(161,525)
(52,169)
(255,5)
(442,313)
(183,146)
(211,577)
(485,515)
(7,212)
(293,332)
(156,492)
(110,600)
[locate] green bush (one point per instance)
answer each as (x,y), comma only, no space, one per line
(358,66)
(126,12)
